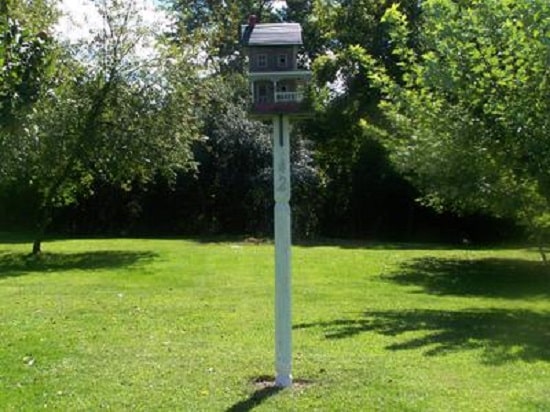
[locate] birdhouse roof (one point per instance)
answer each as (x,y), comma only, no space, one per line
(272,34)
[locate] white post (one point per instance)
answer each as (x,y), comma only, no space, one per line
(283,317)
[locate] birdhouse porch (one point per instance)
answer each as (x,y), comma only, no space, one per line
(280,92)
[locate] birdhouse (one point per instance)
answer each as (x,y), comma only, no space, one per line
(276,84)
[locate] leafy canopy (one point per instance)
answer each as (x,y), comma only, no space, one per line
(470,114)
(104,113)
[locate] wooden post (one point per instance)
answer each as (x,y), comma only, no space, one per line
(281,189)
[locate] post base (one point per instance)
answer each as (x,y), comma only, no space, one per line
(283,381)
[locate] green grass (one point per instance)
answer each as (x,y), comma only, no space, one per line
(181,325)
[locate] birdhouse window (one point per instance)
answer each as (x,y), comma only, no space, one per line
(282,60)
(262,60)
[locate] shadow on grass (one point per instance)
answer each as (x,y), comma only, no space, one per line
(497,278)
(373,245)
(388,245)
(254,400)
(501,335)
(17,264)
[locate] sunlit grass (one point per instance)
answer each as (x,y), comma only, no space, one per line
(180,325)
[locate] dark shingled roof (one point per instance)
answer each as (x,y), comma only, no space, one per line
(275,34)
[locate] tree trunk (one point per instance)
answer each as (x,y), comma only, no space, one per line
(42,225)
(37,247)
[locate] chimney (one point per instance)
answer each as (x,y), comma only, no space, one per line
(252,20)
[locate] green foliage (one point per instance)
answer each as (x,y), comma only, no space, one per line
(105,115)
(231,191)
(22,62)
(471,111)
(234,162)
(364,194)
(25,51)
(98,119)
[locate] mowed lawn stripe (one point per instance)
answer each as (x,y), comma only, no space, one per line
(171,324)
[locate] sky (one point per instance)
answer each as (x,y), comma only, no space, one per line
(77,17)
(279,3)
(80,16)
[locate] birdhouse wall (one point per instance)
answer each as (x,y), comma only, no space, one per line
(272,59)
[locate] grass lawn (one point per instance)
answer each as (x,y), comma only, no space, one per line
(180,325)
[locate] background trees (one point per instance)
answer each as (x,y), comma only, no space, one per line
(469,118)
(439,100)
(23,53)
(104,114)
(230,192)
(25,59)
(365,196)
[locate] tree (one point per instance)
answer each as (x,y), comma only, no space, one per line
(232,189)
(24,57)
(364,193)
(212,28)
(26,54)
(109,114)
(471,114)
